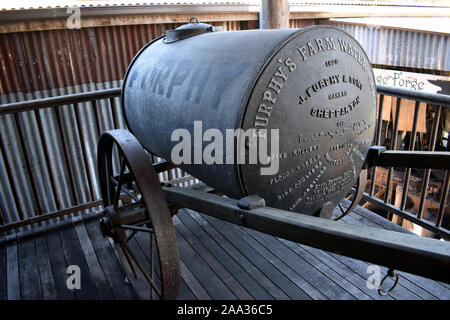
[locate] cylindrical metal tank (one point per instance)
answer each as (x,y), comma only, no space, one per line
(315,85)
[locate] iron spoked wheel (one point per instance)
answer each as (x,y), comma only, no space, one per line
(134,202)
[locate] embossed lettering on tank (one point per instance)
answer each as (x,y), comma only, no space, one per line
(320,93)
(191,78)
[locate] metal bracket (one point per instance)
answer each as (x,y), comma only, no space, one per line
(251,202)
(374,154)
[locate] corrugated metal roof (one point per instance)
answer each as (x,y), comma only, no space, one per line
(427,24)
(36,4)
(401,48)
(39,4)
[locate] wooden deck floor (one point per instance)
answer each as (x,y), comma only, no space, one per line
(219,261)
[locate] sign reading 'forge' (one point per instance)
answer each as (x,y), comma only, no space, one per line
(319,91)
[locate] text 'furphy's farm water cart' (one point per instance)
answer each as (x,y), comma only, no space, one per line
(280,120)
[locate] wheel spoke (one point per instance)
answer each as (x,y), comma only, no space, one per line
(142,269)
(131,236)
(123,188)
(130,263)
(135,228)
(119,184)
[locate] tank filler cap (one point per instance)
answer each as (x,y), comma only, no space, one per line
(190,29)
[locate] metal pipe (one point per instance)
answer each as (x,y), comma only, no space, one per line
(431,146)
(50,172)
(412,142)
(84,151)
(114,113)
(12,184)
(26,156)
(377,142)
(414,159)
(444,233)
(432,98)
(58,101)
(66,154)
(393,147)
(97,118)
(51,215)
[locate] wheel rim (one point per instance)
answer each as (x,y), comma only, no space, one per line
(355,197)
(138,181)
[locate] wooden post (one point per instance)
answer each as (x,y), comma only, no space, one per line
(274,14)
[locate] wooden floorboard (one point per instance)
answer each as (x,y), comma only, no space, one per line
(12,270)
(225,276)
(205,274)
(45,269)
(30,284)
(111,266)
(357,280)
(318,274)
(266,282)
(59,266)
(273,268)
(300,288)
(238,271)
(96,272)
(75,256)
(219,260)
(191,281)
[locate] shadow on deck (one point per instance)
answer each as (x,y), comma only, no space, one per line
(219,260)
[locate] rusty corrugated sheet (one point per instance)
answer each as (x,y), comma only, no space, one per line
(42,60)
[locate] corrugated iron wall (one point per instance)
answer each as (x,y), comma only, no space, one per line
(48,157)
(35,62)
(42,60)
(402,48)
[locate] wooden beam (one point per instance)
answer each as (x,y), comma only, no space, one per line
(122,20)
(274,14)
(407,252)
